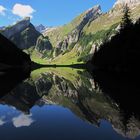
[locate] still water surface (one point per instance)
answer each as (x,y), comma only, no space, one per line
(64,103)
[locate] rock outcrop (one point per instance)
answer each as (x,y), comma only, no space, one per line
(43,44)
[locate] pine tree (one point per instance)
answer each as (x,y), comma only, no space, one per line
(126,19)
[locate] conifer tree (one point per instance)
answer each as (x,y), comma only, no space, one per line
(126,19)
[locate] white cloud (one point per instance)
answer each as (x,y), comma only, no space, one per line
(23,10)
(22,120)
(2,10)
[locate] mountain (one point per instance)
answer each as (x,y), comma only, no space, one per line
(77,41)
(23,34)
(63,38)
(40,28)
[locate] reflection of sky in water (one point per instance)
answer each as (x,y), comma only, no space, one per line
(51,122)
(22,120)
(11,115)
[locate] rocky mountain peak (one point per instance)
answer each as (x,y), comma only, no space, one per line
(17,27)
(93,12)
(130,3)
(89,16)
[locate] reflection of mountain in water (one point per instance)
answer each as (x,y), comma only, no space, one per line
(25,95)
(77,90)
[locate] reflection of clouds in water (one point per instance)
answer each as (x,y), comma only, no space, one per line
(22,120)
(2,122)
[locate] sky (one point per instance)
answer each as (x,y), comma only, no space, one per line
(47,12)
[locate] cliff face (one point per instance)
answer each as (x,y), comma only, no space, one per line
(74,36)
(43,44)
(23,34)
(20,26)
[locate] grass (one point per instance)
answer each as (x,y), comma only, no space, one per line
(65,72)
(66,59)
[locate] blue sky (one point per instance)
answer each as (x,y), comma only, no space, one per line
(47,12)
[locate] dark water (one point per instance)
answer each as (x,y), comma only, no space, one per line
(68,104)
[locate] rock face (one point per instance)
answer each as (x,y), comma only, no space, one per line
(23,34)
(130,3)
(90,15)
(43,44)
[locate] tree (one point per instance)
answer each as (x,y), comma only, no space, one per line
(126,19)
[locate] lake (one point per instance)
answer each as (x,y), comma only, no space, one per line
(68,104)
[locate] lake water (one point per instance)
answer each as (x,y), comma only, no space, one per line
(68,104)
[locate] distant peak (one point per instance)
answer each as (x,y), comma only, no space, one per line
(40,28)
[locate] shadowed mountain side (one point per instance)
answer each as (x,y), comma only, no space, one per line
(122,52)
(11,56)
